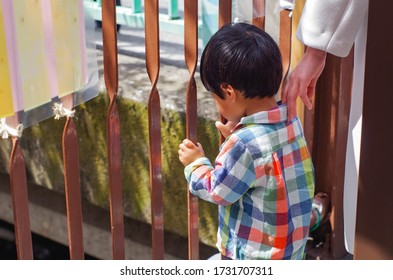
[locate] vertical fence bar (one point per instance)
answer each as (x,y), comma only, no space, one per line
(20,202)
(297,51)
(72,189)
(113,127)
(332,102)
(224,12)
(374,230)
(258,13)
(154,114)
(343,104)
(285,43)
(191,58)
(224,17)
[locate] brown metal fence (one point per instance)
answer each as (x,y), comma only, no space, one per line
(191,58)
(70,146)
(113,127)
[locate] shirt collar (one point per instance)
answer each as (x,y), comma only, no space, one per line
(275,115)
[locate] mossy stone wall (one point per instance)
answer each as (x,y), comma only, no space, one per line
(43,154)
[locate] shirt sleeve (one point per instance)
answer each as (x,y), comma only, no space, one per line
(331,25)
(228,180)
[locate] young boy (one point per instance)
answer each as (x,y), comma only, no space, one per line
(263,178)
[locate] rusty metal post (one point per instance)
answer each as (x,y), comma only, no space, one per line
(72,190)
(374,227)
(20,202)
(224,17)
(113,127)
(285,42)
(191,58)
(258,13)
(154,114)
(224,12)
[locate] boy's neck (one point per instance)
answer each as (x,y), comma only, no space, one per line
(256,105)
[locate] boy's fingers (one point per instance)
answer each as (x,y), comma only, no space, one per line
(187,142)
(182,148)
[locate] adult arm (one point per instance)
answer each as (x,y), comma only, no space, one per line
(331,25)
(328,26)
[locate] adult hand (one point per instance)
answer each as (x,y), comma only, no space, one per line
(189,152)
(225,129)
(303,80)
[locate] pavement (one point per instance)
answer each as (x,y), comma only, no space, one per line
(134,82)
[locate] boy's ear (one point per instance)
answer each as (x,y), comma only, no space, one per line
(228,91)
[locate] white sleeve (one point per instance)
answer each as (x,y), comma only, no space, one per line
(331,25)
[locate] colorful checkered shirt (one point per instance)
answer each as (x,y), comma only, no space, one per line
(263,182)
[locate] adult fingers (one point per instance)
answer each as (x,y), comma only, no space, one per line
(311,88)
(303,94)
(291,97)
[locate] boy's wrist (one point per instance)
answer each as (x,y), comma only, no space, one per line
(188,169)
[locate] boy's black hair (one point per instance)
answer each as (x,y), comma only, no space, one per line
(243,56)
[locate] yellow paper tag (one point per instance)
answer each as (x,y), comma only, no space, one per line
(31,50)
(67,43)
(6,105)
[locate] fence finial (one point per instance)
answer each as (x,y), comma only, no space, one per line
(6,131)
(60,111)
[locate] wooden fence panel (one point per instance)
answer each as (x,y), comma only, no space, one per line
(374,228)
(331,116)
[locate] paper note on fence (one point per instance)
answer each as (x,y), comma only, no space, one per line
(44,57)
(32,52)
(69,45)
(6,105)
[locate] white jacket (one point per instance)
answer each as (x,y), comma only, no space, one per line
(331,25)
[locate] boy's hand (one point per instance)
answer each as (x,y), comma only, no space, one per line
(189,152)
(225,129)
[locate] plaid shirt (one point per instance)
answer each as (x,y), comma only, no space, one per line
(263,182)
